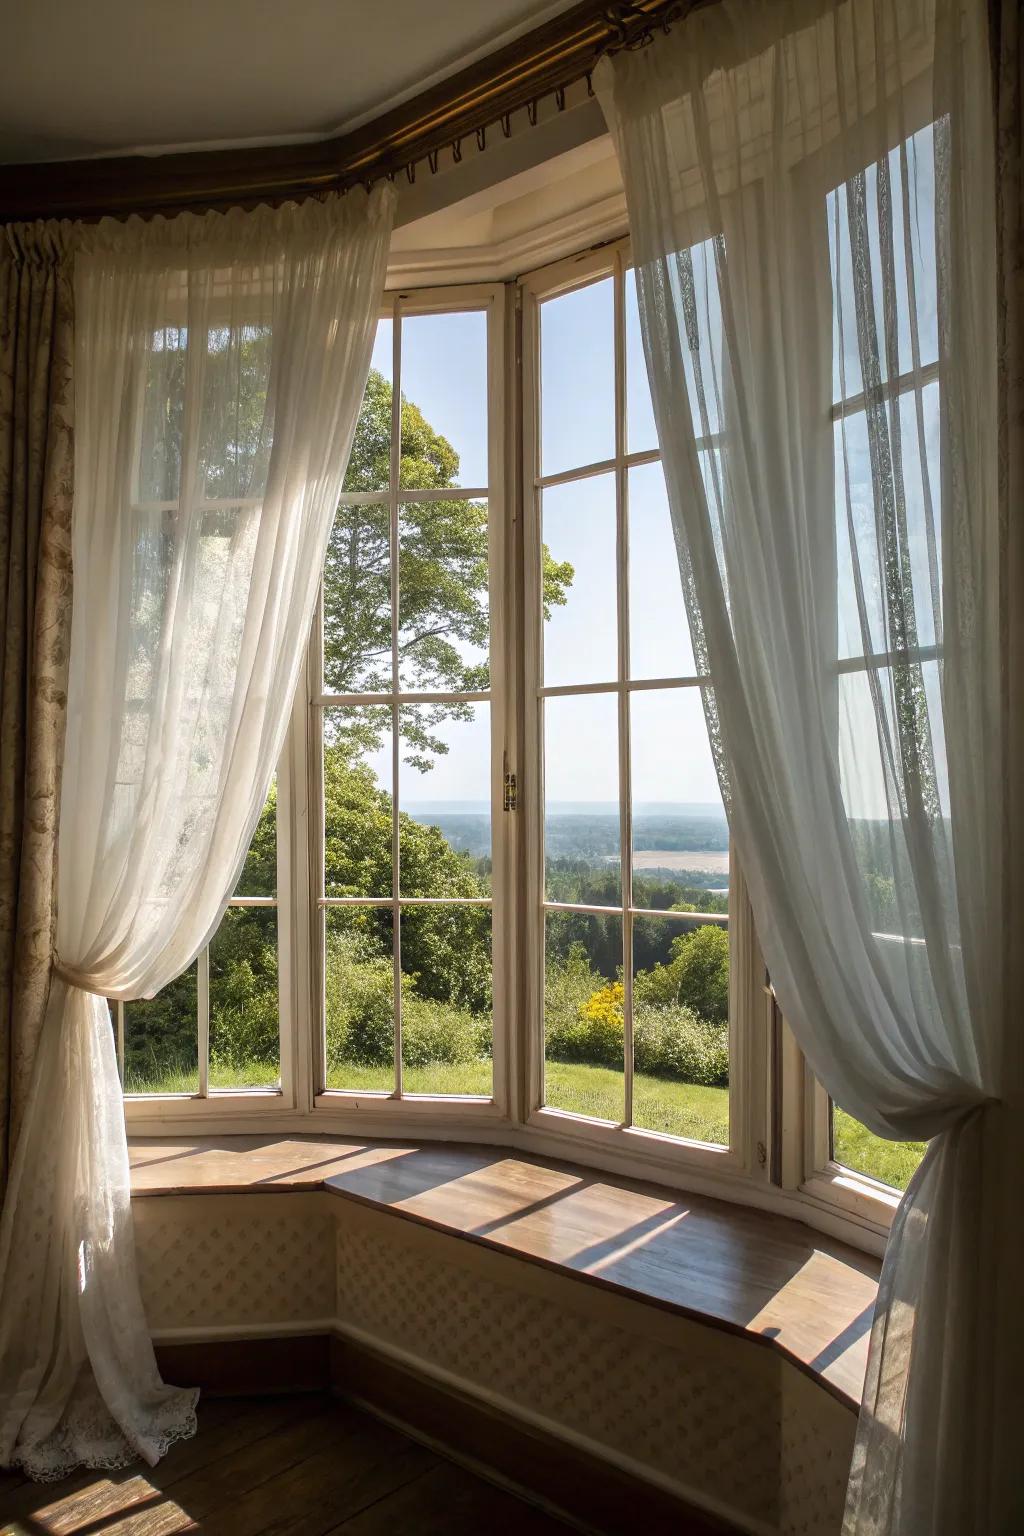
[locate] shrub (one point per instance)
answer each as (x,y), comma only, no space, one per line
(359,988)
(585,1028)
(244,1025)
(244,1019)
(675,1042)
(360,1013)
(669,1040)
(434,1032)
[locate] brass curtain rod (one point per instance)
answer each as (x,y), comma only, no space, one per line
(481,97)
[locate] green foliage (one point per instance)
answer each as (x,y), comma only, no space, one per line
(243,989)
(360,1012)
(697,974)
(675,1042)
(583,1015)
(443,557)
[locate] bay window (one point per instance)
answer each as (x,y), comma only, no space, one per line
(493,882)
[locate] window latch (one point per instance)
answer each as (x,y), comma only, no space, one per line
(511,797)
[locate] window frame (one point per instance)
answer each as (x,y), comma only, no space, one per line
(346,1108)
(825,1180)
(646,1150)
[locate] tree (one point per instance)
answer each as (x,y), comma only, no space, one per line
(443,620)
(697,975)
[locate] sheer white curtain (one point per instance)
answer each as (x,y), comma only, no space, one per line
(220,363)
(810,191)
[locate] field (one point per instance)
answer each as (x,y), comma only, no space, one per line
(697,863)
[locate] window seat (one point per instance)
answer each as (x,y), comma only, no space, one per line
(747,1272)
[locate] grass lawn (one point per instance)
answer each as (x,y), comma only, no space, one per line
(893,1162)
(185,1078)
(473,1077)
(676,1109)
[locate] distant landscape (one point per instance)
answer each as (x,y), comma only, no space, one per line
(684,845)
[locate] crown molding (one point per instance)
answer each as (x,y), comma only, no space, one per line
(467,105)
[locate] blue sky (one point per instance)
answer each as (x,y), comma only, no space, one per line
(444,372)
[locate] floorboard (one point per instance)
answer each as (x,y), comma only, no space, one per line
(286,1466)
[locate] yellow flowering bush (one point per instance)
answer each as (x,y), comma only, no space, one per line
(605,1005)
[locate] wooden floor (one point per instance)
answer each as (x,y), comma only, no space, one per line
(284,1466)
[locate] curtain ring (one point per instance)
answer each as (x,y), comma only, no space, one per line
(481,137)
(456,150)
(432,155)
(531,112)
(560,97)
(410,171)
(506,124)
(590,83)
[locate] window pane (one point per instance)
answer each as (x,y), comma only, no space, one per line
(641,434)
(912,527)
(579,583)
(582,852)
(659,634)
(583,1028)
(891,204)
(870,769)
(159,472)
(577,361)
(443,603)
(369,466)
(854,1146)
(245,1049)
(696,295)
(444,399)
(359,998)
(357,601)
(357,801)
(680,834)
(681,1029)
(236,425)
(259,872)
(161,1040)
(444,799)
(447,1026)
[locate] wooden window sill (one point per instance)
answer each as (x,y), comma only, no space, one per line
(747,1271)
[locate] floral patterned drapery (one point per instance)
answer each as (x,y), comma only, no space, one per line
(36,479)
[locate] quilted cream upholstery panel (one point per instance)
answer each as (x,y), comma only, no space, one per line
(698,1407)
(229,1260)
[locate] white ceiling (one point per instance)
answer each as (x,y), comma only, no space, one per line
(93,77)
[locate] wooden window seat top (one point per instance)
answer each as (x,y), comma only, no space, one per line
(749,1271)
